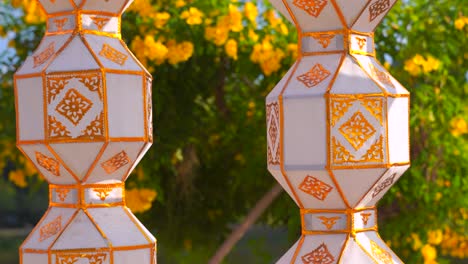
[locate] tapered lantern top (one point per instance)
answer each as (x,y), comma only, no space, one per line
(57,7)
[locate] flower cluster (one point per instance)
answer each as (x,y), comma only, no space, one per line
(140,200)
(458,126)
(418,64)
(461,22)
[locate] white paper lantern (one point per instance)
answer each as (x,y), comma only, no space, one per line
(84,119)
(338,131)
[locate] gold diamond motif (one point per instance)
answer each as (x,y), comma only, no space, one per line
(315,187)
(273,148)
(312,7)
(357,130)
(320,255)
(74,106)
(314,76)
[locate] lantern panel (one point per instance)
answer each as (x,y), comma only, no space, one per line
(381,187)
(372,15)
(58,6)
(305,131)
(112,53)
(315,15)
(323,222)
(376,247)
(315,189)
(351,79)
(48,163)
(366,178)
(115,161)
(356,253)
(101,22)
(351,9)
(79,157)
(312,80)
(380,75)
(398,136)
(62,23)
(115,7)
(126,105)
(324,249)
(357,131)
(75,107)
(48,229)
(29,92)
(34,258)
(134,256)
(74,57)
(122,231)
(74,237)
(43,55)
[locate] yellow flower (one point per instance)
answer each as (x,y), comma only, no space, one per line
(18,178)
(179,52)
(271,17)
(434,237)
(283,29)
(461,22)
(217,34)
(292,50)
(252,35)
(268,57)
(33,13)
(160,19)
(231,48)
(429,254)
(418,59)
(180,3)
(431,64)
(251,11)
(458,126)
(193,16)
(412,68)
(140,200)
(416,241)
(142,7)
(235,19)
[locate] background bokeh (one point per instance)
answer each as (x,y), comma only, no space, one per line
(213,63)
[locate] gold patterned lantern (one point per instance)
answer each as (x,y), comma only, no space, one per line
(84,119)
(338,131)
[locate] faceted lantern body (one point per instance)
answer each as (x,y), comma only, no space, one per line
(84,119)
(338,131)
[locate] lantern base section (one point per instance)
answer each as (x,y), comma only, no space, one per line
(89,236)
(363,247)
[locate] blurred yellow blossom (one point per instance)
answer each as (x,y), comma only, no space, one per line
(18,178)
(217,34)
(251,11)
(180,3)
(160,19)
(429,254)
(179,52)
(461,22)
(418,64)
(33,13)
(231,48)
(252,35)
(454,244)
(271,18)
(292,50)
(140,200)
(458,126)
(142,7)
(193,16)
(234,19)
(268,57)
(417,244)
(434,237)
